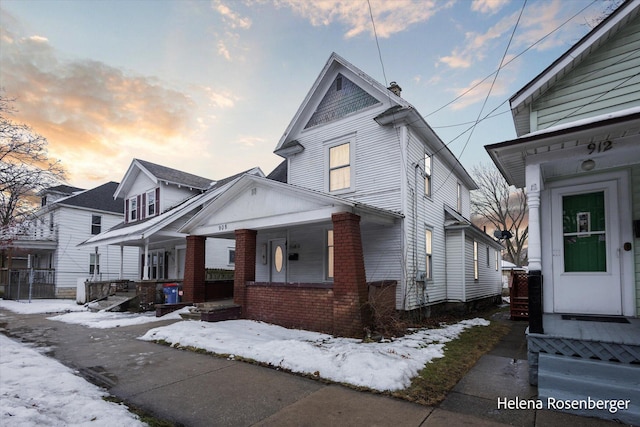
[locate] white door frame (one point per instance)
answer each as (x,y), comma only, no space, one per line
(619,261)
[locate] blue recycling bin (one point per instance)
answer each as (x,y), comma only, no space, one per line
(170,293)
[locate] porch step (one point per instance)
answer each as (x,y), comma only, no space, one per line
(214,311)
(572,378)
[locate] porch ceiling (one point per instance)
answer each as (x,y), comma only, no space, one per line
(610,141)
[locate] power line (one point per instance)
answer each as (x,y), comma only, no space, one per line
(486,99)
(511,60)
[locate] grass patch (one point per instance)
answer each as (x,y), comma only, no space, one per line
(144,416)
(437,378)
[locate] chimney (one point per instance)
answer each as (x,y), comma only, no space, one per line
(393,87)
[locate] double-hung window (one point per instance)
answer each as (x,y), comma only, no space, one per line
(475,260)
(330,257)
(340,167)
(427,174)
(96,224)
(94,264)
(459,198)
(151,203)
(133,209)
(428,240)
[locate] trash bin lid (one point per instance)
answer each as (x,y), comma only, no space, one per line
(170,285)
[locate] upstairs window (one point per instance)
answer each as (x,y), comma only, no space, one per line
(151,202)
(133,209)
(340,167)
(459,195)
(96,224)
(427,174)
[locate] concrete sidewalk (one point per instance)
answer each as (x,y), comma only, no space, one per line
(193,389)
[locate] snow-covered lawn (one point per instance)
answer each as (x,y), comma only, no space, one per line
(36,390)
(39,306)
(108,319)
(388,365)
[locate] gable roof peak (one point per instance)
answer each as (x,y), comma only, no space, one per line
(335,65)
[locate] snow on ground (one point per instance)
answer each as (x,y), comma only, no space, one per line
(38,306)
(36,390)
(387,365)
(108,319)
(380,366)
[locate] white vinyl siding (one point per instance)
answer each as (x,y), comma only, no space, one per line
(375,173)
(605,82)
(71,262)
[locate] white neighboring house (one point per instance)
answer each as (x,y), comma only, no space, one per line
(157,200)
(67,217)
(355,152)
(578,156)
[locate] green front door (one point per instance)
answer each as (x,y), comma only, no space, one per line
(584,232)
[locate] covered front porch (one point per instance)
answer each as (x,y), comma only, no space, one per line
(300,258)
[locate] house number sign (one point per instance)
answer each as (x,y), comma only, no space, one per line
(599,147)
(222,227)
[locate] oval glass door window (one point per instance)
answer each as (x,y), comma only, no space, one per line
(278,259)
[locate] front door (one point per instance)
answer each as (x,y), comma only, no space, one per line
(586,249)
(278,261)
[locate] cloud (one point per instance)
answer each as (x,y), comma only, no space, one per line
(488,6)
(87,109)
(249,141)
(233,19)
(540,20)
(477,91)
(220,99)
(390,17)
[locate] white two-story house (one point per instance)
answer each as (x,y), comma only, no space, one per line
(367,194)
(156,201)
(67,217)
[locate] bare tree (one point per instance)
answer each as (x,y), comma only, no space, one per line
(25,167)
(504,207)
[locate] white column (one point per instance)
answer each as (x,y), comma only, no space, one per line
(534,186)
(145,269)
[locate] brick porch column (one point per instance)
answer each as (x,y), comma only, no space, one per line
(349,280)
(245,266)
(194,270)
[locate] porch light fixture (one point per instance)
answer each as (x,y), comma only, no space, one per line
(588,165)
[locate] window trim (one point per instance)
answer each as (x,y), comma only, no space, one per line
(133,208)
(229,252)
(97,224)
(476,272)
(328,145)
(459,198)
(93,263)
(329,265)
(428,180)
(428,254)
(150,203)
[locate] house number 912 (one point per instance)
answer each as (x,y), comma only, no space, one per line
(600,147)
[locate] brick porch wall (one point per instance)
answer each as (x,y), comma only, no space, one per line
(294,305)
(245,266)
(194,271)
(350,314)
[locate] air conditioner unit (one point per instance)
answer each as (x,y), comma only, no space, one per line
(421,276)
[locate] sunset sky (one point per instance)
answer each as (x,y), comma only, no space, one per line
(208,87)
